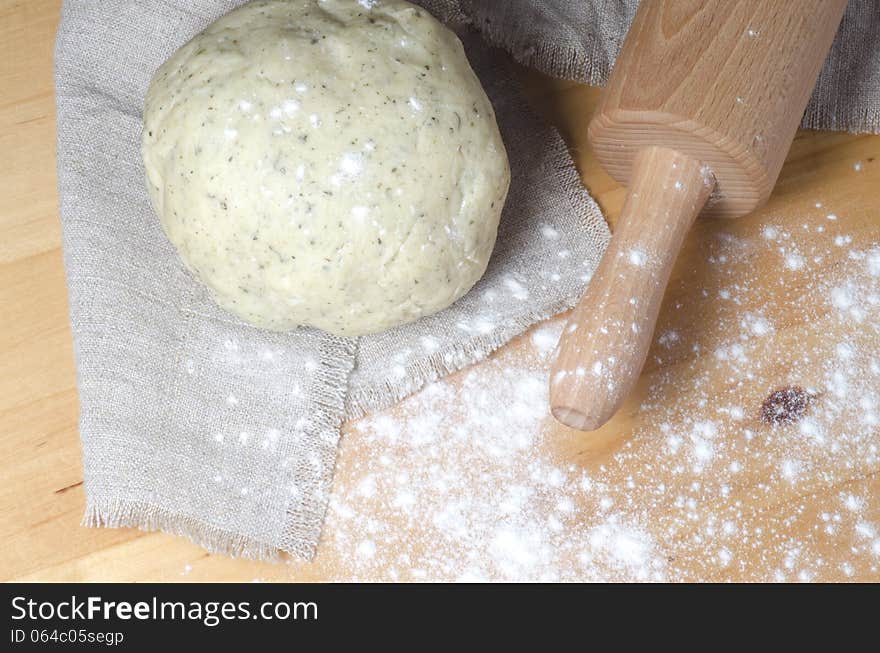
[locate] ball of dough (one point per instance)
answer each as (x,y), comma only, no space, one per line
(328,163)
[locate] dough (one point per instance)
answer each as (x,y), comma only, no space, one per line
(328,163)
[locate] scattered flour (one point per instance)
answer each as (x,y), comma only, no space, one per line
(637,257)
(464,492)
(794,261)
(470,480)
(546,337)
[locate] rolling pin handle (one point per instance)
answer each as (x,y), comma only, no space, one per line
(606,340)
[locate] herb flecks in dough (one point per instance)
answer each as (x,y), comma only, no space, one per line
(326,164)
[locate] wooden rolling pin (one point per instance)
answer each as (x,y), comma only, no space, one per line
(698,115)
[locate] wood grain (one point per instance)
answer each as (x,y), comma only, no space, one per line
(714,85)
(723,81)
(41,495)
(606,340)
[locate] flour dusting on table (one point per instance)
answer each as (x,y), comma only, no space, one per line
(470,480)
(469,495)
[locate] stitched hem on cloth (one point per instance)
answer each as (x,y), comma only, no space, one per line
(120,513)
(867,121)
(305,520)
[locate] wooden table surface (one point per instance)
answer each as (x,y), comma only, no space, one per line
(41,494)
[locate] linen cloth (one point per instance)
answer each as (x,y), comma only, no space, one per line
(197,424)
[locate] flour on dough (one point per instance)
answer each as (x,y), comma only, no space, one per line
(332,163)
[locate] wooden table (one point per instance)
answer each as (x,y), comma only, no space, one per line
(41,495)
